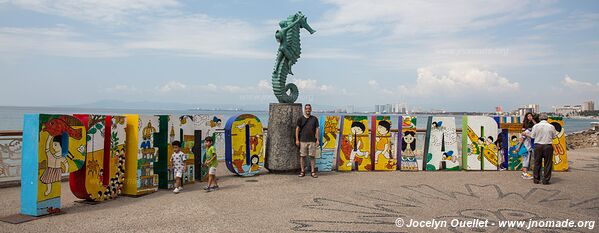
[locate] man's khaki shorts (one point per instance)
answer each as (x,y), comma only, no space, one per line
(308,149)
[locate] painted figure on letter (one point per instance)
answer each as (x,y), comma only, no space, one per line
(54,162)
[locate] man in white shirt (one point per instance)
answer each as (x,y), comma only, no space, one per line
(543,133)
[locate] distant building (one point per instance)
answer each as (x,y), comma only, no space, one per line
(568,110)
(588,106)
(522,111)
(532,108)
(390,108)
(535,108)
(396,108)
(378,108)
(499,109)
(350,109)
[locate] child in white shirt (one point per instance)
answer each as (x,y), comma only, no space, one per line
(178,160)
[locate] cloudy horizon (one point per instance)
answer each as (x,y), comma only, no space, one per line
(456,56)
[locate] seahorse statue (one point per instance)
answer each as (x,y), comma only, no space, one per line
(288,53)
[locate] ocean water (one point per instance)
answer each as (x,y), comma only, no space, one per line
(11,118)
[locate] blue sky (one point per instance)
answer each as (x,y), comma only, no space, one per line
(452,55)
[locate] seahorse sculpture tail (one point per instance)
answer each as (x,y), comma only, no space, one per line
(279,78)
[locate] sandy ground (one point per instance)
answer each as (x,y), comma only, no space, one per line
(337,202)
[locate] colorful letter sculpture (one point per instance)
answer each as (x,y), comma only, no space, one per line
(441,149)
(244,151)
(410,160)
(354,147)
(329,133)
(179,128)
(190,130)
(103,176)
(383,144)
(511,129)
(141,155)
(106,156)
(115,168)
(161,142)
(560,158)
(480,147)
(52,145)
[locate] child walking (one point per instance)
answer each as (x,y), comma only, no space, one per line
(178,160)
(211,163)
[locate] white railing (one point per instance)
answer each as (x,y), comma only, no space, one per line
(10,155)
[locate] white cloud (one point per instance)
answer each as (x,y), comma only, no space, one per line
(157,25)
(121,88)
(404,35)
(261,91)
(172,86)
(373,83)
(201,35)
(261,87)
(328,53)
(466,51)
(96,11)
(209,86)
(380,89)
(573,22)
(312,85)
(233,88)
(579,85)
(264,85)
(57,41)
(407,18)
(197,35)
(460,82)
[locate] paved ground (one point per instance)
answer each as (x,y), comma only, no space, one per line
(335,202)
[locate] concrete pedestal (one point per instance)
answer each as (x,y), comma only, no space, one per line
(281,151)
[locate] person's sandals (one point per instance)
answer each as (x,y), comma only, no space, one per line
(302,174)
(313,174)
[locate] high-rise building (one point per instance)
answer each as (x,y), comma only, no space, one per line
(588,106)
(390,108)
(380,108)
(499,109)
(532,108)
(350,109)
(396,108)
